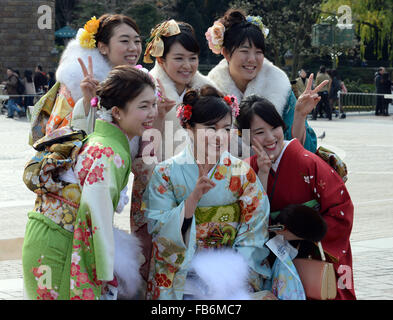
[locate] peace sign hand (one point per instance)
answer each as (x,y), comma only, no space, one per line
(204,184)
(88,84)
(309,98)
(264,161)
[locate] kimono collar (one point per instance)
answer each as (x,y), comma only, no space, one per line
(277,162)
(107,129)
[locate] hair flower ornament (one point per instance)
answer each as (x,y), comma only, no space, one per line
(257,20)
(184,113)
(233,103)
(102,113)
(215,37)
(86,36)
(155,45)
(94,102)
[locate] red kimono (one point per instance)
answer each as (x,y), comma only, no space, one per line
(302,176)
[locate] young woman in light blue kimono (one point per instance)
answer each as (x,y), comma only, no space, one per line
(207,212)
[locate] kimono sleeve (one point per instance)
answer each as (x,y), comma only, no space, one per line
(80,120)
(102,174)
(311,139)
(336,209)
(164,215)
(253,231)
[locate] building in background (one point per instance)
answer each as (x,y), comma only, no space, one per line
(23,44)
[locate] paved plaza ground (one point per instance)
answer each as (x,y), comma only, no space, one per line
(364,141)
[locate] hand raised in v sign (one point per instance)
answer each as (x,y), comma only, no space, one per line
(309,98)
(88,84)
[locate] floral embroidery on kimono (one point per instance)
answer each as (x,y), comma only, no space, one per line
(237,218)
(103,168)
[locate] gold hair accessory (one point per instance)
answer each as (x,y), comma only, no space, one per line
(155,46)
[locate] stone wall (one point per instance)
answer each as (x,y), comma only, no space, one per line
(23,45)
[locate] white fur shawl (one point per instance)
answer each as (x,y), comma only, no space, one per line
(128,256)
(220,275)
(271,83)
(197,82)
(69,71)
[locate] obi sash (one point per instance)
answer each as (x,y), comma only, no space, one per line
(216,226)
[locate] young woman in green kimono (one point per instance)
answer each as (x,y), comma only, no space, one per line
(69,247)
(203,206)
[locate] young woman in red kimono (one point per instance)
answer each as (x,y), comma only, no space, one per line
(293,175)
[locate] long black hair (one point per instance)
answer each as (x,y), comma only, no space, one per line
(28,75)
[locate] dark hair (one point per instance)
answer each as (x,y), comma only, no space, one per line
(123,84)
(28,75)
(51,75)
(263,108)
(334,73)
(322,69)
(39,67)
(208,106)
(238,30)
(186,38)
(303,221)
(108,22)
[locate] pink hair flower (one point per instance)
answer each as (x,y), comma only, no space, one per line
(215,37)
(94,102)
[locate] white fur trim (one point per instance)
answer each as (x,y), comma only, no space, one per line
(127,263)
(271,83)
(224,272)
(197,82)
(69,71)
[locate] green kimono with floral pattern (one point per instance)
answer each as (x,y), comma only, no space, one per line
(103,169)
(80,255)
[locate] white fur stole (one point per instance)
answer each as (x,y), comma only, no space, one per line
(128,255)
(69,71)
(271,83)
(223,273)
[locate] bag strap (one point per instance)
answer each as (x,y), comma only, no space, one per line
(321,251)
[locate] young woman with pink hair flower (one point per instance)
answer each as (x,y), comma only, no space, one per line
(245,71)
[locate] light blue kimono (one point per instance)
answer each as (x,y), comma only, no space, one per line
(236,187)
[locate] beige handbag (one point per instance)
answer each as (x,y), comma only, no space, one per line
(318,277)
